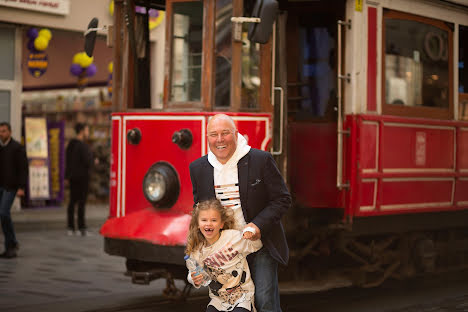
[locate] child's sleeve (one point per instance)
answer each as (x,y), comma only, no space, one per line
(250,246)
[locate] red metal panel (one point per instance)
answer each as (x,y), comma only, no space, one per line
(462,147)
(156,145)
(369,132)
(312,164)
(371,59)
(416,193)
(408,146)
(114,167)
(368,194)
(461,192)
(162,228)
(416,167)
(138,219)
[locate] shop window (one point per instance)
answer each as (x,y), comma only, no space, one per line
(5,105)
(187,26)
(7,53)
(417,66)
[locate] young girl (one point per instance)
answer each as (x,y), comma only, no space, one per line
(222,252)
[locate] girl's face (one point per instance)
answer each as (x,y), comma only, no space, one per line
(209,223)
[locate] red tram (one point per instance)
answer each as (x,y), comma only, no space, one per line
(363,104)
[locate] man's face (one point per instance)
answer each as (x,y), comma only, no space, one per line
(4,133)
(222,138)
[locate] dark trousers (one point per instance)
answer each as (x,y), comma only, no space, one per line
(6,200)
(78,195)
(213,309)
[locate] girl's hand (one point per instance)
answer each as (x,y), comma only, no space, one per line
(197,279)
(248,235)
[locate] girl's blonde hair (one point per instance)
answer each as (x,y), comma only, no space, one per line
(195,238)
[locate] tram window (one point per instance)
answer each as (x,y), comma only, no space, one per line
(417,66)
(186,51)
(313,92)
(463,72)
(223,54)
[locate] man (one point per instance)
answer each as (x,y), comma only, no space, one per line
(248,181)
(13,177)
(77,170)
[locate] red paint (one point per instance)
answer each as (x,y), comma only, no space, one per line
(461,193)
(416,169)
(312,164)
(128,168)
(371,59)
(157,227)
(410,192)
(462,149)
(367,193)
(368,151)
(400,146)
(114,168)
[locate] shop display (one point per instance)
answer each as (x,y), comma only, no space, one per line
(91,106)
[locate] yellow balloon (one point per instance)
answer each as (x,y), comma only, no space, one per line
(76,58)
(85,60)
(111,8)
(45,33)
(41,43)
(110,68)
(154,22)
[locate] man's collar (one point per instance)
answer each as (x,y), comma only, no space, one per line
(6,143)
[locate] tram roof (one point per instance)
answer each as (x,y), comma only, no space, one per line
(161,4)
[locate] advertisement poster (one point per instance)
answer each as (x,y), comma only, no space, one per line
(38,179)
(38,157)
(36,137)
(56,132)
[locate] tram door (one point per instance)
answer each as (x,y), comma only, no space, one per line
(310,57)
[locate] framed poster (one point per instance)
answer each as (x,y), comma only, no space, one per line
(37,151)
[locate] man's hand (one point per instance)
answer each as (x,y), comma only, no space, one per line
(197,279)
(250,235)
(20,193)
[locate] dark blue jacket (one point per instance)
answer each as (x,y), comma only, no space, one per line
(263,194)
(78,160)
(13,166)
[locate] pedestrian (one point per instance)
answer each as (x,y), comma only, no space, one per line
(13,178)
(221,250)
(248,181)
(77,172)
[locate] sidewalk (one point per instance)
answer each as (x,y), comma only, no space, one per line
(47,218)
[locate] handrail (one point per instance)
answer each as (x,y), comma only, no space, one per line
(280,151)
(339,127)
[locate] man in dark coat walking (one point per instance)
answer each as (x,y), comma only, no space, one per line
(77,171)
(13,177)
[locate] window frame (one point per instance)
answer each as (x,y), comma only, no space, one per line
(419,111)
(207,101)
(204,98)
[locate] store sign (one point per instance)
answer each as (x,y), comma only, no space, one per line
(61,7)
(37,64)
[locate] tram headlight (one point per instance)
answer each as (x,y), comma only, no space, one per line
(161,185)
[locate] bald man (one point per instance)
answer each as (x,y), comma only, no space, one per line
(248,181)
